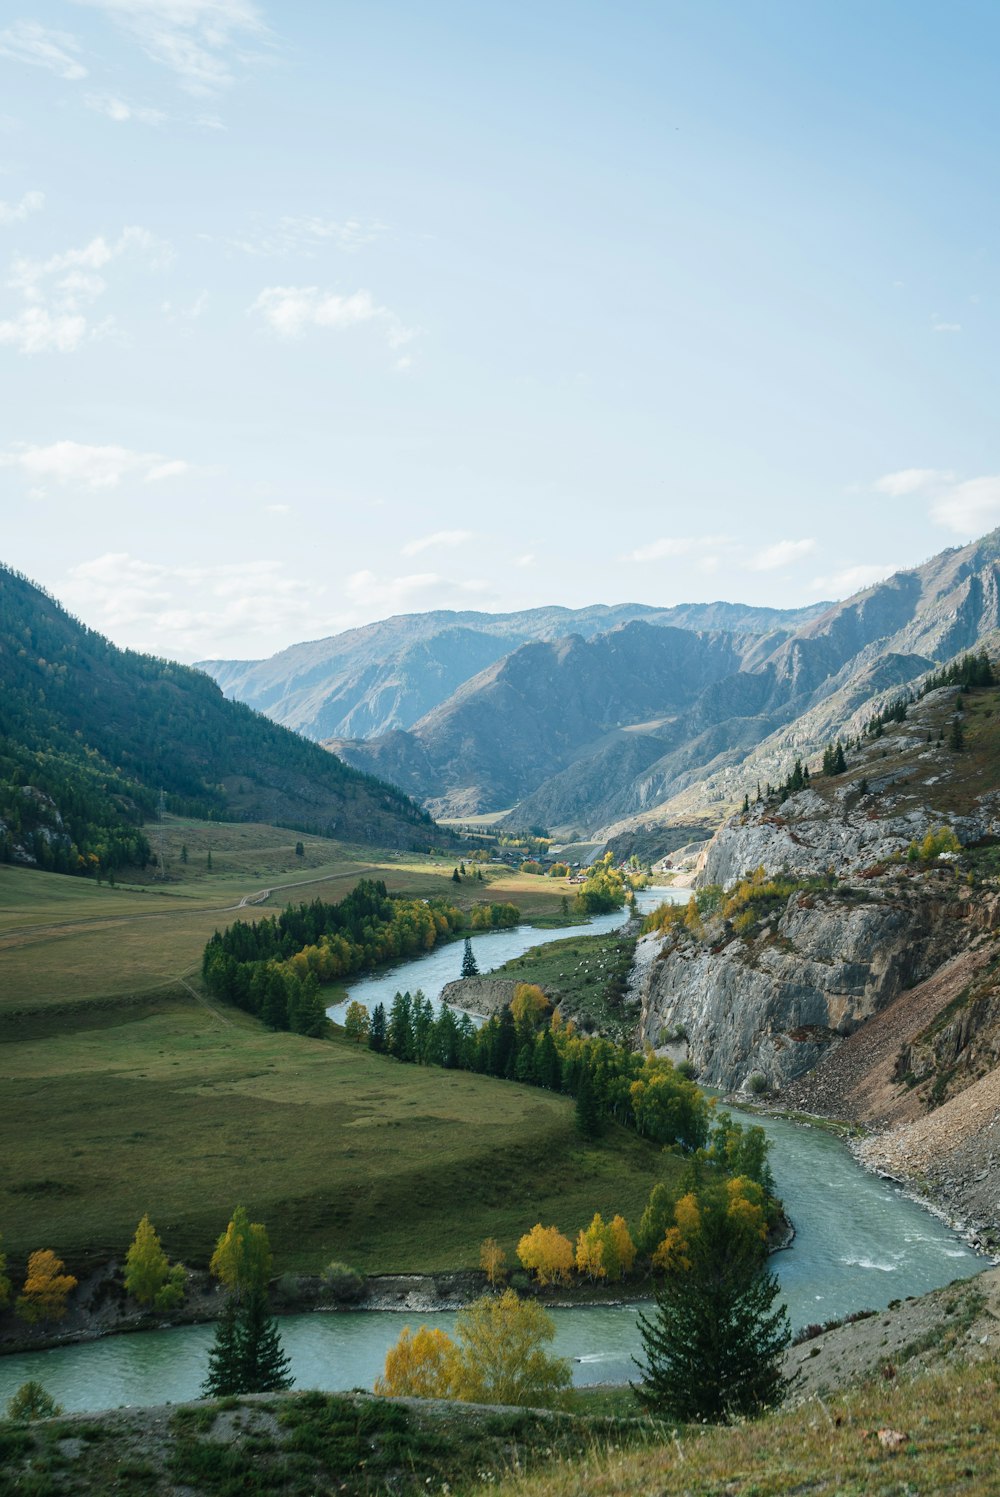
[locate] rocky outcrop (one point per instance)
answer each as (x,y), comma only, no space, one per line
(771,1003)
(480,995)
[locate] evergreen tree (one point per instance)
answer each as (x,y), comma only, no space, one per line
(184,852)
(470,967)
(714,1343)
(208,861)
(263,1365)
(588,1113)
(246,1356)
(377,1029)
(455,876)
(223,1377)
(956,735)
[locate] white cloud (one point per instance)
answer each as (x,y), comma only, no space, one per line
(36,330)
(781,554)
(911,481)
(529,559)
(88,466)
(853,579)
(277,509)
(290,310)
(439,538)
(118,110)
(969,508)
(27,41)
(668,547)
(947,327)
(56,292)
(306,235)
(12,213)
(200,41)
(191,612)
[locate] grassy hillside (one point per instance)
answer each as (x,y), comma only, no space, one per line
(131,1093)
(90,735)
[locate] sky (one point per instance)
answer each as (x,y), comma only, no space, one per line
(314,313)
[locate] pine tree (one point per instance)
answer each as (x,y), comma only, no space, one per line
(470,967)
(263,1365)
(714,1343)
(455,877)
(376,1031)
(588,1118)
(956,735)
(223,1377)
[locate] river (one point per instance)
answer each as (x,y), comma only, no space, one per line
(859,1244)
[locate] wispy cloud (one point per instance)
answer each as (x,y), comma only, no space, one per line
(86,465)
(946,327)
(122,112)
(13,213)
(911,481)
(202,42)
(290,311)
(57,293)
(189,612)
(670,546)
(970,508)
(439,538)
(306,236)
(852,579)
(781,554)
(28,41)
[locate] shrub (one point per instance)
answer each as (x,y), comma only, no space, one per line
(345,1283)
(31,1402)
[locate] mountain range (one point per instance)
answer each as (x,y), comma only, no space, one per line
(615,721)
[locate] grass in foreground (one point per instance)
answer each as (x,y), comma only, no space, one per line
(295,1447)
(942,1434)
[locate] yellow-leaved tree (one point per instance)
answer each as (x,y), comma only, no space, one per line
(498,1357)
(493,1261)
(420,1365)
(529,1003)
(624,1246)
(46,1287)
(546,1251)
(242,1257)
(149,1276)
(595,1250)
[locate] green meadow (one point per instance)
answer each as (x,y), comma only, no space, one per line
(125,1091)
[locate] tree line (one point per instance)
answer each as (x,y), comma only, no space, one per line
(273,968)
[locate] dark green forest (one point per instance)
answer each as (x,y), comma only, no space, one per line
(91,734)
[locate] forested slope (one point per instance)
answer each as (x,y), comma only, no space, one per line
(91,734)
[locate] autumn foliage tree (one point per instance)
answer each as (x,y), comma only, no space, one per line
(498,1357)
(149,1276)
(242,1257)
(546,1252)
(357,1022)
(46,1288)
(493,1261)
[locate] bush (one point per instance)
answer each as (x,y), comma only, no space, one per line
(757,1084)
(345,1283)
(31,1402)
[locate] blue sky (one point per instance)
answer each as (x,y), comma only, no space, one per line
(314,313)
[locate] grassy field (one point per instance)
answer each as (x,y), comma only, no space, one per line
(343,1154)
(67,941)
(124,1091)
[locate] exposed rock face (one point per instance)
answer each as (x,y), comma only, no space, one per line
(773,1004)
(480,995)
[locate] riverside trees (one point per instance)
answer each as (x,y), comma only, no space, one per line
(246,1356)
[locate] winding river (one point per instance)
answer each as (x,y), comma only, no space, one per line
(859,1243)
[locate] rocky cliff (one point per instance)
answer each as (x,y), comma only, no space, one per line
(848,966)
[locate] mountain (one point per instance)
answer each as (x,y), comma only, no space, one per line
(90,735)
(387,676)
(648,725)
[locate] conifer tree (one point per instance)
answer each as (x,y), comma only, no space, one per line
(377,1029)
(223,1377)
(588,1113)
(263,1365)
(470,967)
